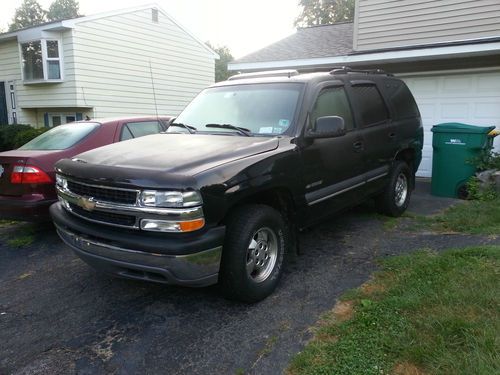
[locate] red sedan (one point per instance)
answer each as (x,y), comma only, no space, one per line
(27,186)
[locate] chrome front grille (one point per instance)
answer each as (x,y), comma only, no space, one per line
(101,193)
(104,217)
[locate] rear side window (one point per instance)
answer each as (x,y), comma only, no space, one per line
(370,105)
(139,129)
(61,137)
(333,101)
(401,99)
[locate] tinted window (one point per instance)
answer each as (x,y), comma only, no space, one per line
(370,104)
(333,102)
(266,108)
(139,129)
(62,137)
(401,99)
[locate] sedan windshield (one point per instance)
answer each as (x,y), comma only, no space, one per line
(260,108)
(61,137)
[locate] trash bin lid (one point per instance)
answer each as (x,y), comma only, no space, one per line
(457,127)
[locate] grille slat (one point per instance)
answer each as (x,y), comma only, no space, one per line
(105,217)
(103,194)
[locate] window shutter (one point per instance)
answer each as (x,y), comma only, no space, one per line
(46,119)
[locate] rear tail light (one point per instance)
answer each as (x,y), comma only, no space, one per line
(29,175)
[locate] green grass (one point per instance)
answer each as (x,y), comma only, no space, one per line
(474,217)
(422,314)
(6,223)
(21,241)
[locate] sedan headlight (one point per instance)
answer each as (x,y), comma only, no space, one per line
(170,199)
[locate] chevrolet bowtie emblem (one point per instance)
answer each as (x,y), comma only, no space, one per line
(88,204)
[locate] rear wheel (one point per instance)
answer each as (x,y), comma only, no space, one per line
(254,251)
(396,196)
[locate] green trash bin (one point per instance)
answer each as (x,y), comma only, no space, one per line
(453,145)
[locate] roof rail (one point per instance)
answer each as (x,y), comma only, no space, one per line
(269,73)
(346,69)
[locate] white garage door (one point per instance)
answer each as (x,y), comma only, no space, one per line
(471,98)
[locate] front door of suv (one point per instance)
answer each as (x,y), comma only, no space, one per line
(333,167)
(379,139)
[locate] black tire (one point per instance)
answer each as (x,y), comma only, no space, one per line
(246,222)
(393,202)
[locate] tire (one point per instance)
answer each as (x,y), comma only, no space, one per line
(252,262)
(396,196)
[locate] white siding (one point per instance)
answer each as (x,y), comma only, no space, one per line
(112,57)
(395,23)
(47,95)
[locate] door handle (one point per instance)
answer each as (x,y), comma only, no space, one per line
(392,135)
(358,145)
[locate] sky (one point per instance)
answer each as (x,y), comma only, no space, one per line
(242,25)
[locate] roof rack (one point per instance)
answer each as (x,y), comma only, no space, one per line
(346,69)
(269,73)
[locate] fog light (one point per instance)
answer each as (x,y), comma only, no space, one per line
(172,226)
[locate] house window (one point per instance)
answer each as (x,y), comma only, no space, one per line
(55,119)
(41,60)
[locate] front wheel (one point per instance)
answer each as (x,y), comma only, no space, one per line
(254,250)
(396,196)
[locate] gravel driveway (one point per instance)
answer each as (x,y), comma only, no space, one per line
(58,316)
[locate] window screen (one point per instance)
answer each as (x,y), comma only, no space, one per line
(333,102)
(370,104)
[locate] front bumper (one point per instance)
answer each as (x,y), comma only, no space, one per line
(189,260)
(32,208)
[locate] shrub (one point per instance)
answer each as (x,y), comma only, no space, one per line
(14,136)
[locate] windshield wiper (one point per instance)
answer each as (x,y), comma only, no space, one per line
(190,129)
(244,131)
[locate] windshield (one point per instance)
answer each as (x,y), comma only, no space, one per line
(261,108)
(61,137)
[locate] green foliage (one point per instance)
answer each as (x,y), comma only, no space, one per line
(30,13)
(221,72)
(14,136)
(476,191)
(324,12)
(487,159)
(63,9)
(427,314)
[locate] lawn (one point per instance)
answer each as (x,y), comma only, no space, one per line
(423,313)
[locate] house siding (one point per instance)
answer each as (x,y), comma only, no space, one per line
(397,23)
(112,61)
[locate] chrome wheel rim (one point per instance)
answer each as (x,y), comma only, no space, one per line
(262,254)
(401,190)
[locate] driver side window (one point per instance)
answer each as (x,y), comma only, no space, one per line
(332,101)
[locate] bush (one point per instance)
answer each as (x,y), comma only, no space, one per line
(487,159)
(14,136)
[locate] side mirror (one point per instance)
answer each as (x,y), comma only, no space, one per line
(327,127)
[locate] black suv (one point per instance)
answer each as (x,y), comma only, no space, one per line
(221,195)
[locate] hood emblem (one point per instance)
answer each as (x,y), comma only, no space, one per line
(1,171)
(88,204)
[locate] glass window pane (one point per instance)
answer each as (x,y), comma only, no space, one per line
(56,120)
(32,60)
(333,102)
(70,119)
(126,134)
(54,71)
(371,104)
(61,137)
(142,128)
(52,49)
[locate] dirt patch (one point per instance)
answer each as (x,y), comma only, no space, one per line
(369,288)
(343,311)
(407,368)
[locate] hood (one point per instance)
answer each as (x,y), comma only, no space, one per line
(178,153)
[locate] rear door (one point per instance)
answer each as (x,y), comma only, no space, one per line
(379,137)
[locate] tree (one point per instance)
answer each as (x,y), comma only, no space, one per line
(324,12)
(221,72)
(30,13)
(63,9)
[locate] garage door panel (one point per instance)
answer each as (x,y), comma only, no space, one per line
(471,98)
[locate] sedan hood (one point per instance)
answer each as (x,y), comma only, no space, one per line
(178,153)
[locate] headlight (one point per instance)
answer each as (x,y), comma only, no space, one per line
(61,181)
(171,199)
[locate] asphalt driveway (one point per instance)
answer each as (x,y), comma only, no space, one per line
(58,316)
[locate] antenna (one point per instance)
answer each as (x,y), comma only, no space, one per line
(154,93)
